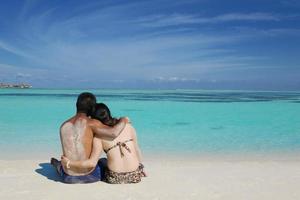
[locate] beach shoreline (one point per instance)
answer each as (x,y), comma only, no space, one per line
(169,178)
(287,155)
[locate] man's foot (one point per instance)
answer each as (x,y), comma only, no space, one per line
(56,164)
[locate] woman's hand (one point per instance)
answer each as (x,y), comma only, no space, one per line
(65,162)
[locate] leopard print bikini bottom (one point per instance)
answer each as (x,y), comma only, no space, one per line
(124,177)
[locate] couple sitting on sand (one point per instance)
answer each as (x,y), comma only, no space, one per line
(83,138)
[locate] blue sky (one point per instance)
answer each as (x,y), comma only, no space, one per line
(204,44)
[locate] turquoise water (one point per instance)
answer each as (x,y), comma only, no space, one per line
(188,121)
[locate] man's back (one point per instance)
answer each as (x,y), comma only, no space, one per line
(76,138)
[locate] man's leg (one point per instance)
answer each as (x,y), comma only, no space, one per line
(103,166)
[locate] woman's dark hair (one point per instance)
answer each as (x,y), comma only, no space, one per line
(102,113)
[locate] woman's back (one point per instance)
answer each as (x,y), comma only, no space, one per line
(122,152)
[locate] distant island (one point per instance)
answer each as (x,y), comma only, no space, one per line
(18,85)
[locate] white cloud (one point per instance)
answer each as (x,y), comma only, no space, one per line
(184,19)
(13,50)
(174,79)
(290,3)
(23,75)
(246,17)
(255,32)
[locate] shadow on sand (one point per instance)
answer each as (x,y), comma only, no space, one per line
(47,170)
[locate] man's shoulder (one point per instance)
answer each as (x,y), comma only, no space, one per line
(66,122)
(65,127)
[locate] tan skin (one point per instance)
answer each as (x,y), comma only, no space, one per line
(129,162)
(80,134)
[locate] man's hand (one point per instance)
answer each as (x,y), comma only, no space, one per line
(125,119)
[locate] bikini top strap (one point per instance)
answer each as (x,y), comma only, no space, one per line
(120,145)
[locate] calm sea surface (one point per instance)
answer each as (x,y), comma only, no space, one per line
(189,121)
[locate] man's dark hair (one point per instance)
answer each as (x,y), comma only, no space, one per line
(86,103)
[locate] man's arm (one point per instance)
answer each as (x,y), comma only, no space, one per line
(106,132)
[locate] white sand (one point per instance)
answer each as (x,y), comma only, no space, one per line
(205,178)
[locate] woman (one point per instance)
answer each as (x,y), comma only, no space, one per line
(123,154)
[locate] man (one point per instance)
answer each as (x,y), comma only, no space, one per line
(78,135)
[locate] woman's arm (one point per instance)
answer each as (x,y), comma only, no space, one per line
(88,164)
(138,150)
(134,137)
